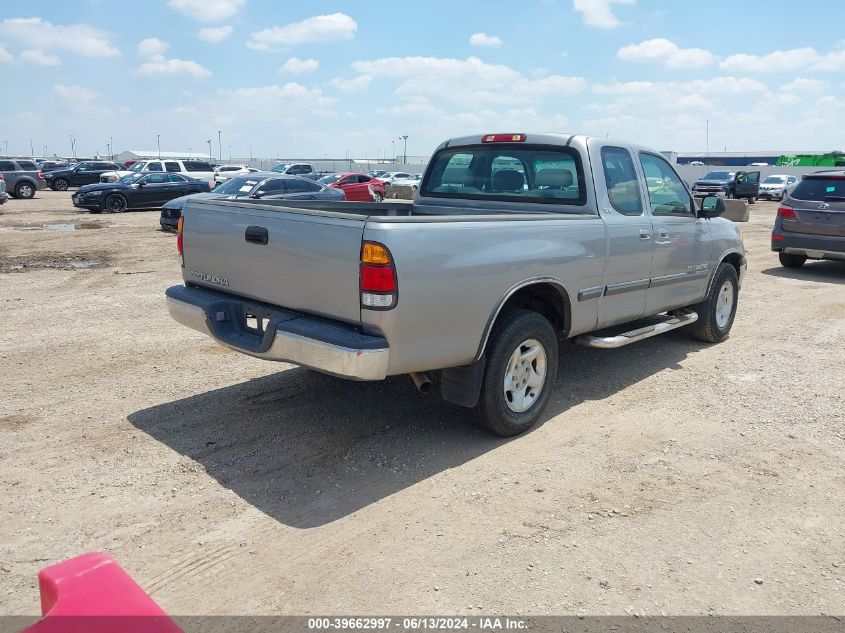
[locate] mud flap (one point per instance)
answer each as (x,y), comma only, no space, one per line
(462,385)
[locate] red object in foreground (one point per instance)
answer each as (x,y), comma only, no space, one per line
(92,594)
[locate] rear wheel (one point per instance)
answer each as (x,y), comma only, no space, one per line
(59,184)
(520,372)
(716,313)
(25,190)
(116,203)
(791,261)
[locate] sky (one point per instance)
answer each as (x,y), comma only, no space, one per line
(314,79)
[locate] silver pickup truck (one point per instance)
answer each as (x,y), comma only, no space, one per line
(514,244)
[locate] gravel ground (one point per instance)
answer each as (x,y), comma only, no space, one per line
(666,477)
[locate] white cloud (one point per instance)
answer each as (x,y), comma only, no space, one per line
(40,58)
(207,10)
(804,85)
(661,89)
(173,67)
(320,28)
(36,34)
(80,100)
(5,56)
(296,66)
(214,34)
(482,39)
(666,53)
(782,61)
(153,50)
(599,12)
(467,81)
(351,85)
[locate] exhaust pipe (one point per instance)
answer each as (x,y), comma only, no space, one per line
(422,382)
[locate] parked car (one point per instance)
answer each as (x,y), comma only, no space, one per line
(23,178)
(376,173)
(137,191)
(390,176)
(729,184)
(224,172)
(295,169)
(260,185)
(777,186)
(478,278)
(811,220)
(127,164)
(51,165)
(412,181)
(357,187)
(84,173)
(197,169)
(3,195)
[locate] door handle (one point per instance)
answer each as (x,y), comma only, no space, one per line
(644,235)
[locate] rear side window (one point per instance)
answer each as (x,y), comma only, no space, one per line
(153,167)
(507,173)
(820,189)
(297,185)
(197,165)
(172,166)
(176,178)
(620,177)
(27,165)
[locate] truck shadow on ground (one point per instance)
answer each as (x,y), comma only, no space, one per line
(826,271)
(308,449)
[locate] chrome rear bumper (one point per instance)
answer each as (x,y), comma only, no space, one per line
(326,346)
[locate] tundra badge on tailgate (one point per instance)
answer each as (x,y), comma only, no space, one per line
(215,279)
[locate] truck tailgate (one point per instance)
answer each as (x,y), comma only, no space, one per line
(302,260)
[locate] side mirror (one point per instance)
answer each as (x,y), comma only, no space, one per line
(711,207)
(257,194)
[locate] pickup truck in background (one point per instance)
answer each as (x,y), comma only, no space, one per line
(514,244)
(729,184)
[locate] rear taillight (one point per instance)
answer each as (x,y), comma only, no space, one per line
(179,226)
(2,177)
(378,277)
(40,175)
(786,212)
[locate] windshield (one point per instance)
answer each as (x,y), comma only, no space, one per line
(237,186)
(774,180)
(507,172)
(719,175)
(137,167)
(329,180)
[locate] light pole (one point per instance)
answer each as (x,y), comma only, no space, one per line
(111,148)
(209,148)
(404,138)
(158,142)
(6,151)
(230,153)
(393,150)
(220,145)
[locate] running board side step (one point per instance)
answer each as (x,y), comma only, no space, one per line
(680,318)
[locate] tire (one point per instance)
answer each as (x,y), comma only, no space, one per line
(115,203)
(377,197)
(752,200)
(791,261)
(500,410)
(716,313)
(25,190)
(59,184)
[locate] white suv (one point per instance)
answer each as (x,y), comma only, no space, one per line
(199,169)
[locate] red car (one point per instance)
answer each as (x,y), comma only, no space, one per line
(357,187)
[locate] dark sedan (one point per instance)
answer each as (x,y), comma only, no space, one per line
(136,191)
(257,185)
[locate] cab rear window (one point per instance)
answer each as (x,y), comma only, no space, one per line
(820,189)
(507,173)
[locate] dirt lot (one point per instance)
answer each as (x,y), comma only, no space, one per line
(666,477)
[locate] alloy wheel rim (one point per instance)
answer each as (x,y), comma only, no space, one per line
(525,375)
(724,304)
(26,191)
